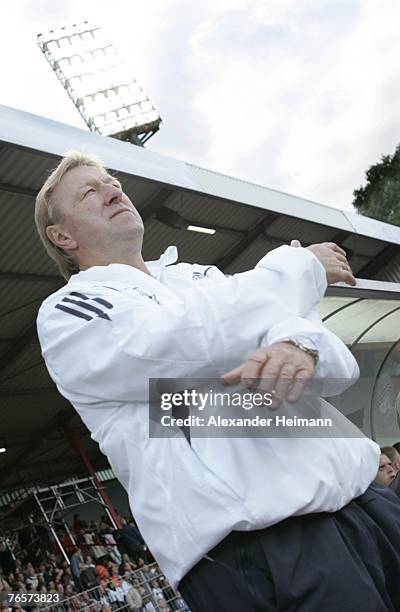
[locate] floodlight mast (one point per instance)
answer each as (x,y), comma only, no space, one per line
(109,100)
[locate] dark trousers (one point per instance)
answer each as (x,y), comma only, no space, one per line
(346,561)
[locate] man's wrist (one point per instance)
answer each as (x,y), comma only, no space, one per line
(305,345)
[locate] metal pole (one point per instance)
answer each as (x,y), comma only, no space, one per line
(68,531)
(53,531)
(70,434)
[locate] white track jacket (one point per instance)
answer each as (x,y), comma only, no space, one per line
(111,328)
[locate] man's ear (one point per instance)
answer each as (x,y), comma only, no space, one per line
(61,238)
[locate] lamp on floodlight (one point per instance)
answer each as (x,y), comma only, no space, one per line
(110,101)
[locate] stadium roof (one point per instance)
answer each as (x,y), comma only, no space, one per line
(249,220)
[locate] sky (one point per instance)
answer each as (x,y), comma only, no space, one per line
(297,95)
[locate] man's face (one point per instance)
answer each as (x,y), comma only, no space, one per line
(386,474)
(92,214)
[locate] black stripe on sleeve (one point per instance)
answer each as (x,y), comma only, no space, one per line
(79,295)
(96,299)
(103,302)
(76,313)
(100,313)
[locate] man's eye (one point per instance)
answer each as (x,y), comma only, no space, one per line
(91,190)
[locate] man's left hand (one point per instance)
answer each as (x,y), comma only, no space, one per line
(334,260)
(281,369)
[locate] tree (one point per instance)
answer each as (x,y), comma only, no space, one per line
(380,197)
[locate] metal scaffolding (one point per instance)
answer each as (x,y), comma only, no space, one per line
(47,507)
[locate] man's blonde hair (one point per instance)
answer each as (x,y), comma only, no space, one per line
(46,212)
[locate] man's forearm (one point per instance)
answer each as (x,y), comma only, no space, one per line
(336,369)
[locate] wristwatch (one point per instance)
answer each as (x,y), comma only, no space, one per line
(303,346)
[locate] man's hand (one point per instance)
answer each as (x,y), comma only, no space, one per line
(281,369)
(334,260)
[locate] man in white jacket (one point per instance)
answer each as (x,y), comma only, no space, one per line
(240,524)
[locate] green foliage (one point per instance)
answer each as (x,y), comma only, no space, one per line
(380,197)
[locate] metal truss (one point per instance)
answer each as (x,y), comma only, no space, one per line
(50,506)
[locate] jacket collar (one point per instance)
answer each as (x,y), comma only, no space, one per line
(120,272)
(170,256)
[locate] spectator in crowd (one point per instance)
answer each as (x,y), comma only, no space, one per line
(48,572)
(132,595)
(113,573)
(30,590)
(111,547)
(31,578)
(103,598)
(77,526)
(394,456)
(88,576)
(115,594)
(68,579)
(131,540)
(102,572)
(156,590)
(60,590)
(70,590)
(98,550)
(88,537)
(386,474)
(104,527)
(89,562)
(76,559)
(126,565)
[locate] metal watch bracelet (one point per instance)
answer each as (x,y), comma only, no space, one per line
(303,347)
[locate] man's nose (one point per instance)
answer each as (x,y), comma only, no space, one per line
(113,194)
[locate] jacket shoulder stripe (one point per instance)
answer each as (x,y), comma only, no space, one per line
(79,295)
(94,309)
(76,313)
(103,302)
(96,299)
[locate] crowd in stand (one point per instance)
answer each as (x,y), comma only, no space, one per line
(108,570)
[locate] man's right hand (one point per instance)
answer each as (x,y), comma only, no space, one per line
(334,260)
(282,369)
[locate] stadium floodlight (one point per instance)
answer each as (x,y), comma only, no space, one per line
(2,449)
(109,99)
